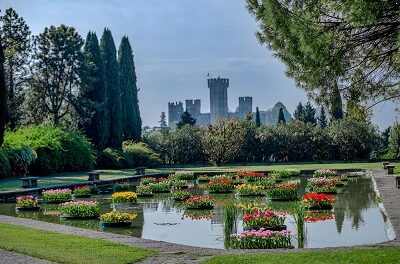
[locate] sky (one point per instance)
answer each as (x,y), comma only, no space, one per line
(176,43)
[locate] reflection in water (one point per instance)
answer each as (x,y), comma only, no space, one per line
(355,220)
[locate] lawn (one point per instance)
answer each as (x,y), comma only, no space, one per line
(353,256)
(62,248)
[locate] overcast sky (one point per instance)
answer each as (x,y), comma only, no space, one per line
(176,43)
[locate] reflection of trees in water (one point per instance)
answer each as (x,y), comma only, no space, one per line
(352,200)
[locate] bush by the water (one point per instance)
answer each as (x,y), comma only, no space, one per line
(15,161)
(57,150)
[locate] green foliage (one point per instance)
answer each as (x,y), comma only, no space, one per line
(258,120)
(186,119)
(281,117)
(299,112)
(309,114)
(57,150)
(163,120)
(185,145)
(112,159)
(322,120)
(5,168)
(3,96)
(394,141)
(140,155)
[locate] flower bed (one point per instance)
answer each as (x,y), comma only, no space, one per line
(199,202)
(283,192)
(148,180)
(286,173)
(249,190)
(266,184)
(322,185)
(324,173)
(57,195)
(115,218)
(261,239)
(27,202)
(160,187)
(251,207)
(80,209)
(121,186)
(183,175)
(179,184)
(219,186)
(82,191)
(124,197)
(264,219)
(203,178)
(251,175)
(181,195)
(318,201)
(144,191)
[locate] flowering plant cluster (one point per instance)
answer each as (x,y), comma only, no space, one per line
(144,190)
(324,173)
(199,202)
(261,239)
(197,214)
(57,195)
(122,186)
(322,185)
(286,173)
(117,217)
(148,180)
(181,195)
(183,175)
(266,184)
(162,186)
(337,180)
(251,207)
(27,201)
(312,217)
(124,197)
(80,209)
(251,175)
(203,178)
(263,219)
(249,190)
(283,191)
(82,191)
(179,184)
(219,186)
(318,201)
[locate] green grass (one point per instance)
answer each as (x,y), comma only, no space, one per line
(62,248)
(353,256)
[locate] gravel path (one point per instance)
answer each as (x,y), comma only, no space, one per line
(173,253)
(7,257)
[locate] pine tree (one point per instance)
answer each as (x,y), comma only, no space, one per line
(163,120)
(258,120)
(336,105)
(186,119)
(299,112)
(322,120)
(131,121)
(281,117)
(109,57)
(92,100)
(309,114)
(17,47)
(3,97)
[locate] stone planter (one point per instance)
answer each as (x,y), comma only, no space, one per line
(115,224)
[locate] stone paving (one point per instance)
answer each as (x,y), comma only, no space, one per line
(174,253)
(7,257)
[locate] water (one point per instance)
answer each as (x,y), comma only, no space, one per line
(355,220)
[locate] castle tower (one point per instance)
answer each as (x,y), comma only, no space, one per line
(218,98)
(193,107)
(245,106)
(175,110)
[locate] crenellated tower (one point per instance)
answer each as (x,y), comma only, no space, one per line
(175,110)
(245,106)
(218,98)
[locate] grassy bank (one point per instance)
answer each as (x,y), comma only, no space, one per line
(62,248)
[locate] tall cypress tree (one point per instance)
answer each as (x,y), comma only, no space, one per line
(258,120)
(109,57)
(309,114)
(299,112)
(281,117)
(3,93)
(92,106)
(322,120)
(336,105)
(131,121)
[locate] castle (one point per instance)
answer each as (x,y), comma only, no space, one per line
(218,106)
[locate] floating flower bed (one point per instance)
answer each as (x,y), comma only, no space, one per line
(160,187)
(318,201)
(116,219)
(261,239)
(199,202)
(251,207)
(249,190)
(183,175)
(203,178)
(286,173)
(198,214)
(315,216)
(80,209)
(148,180)
(181,195)
(336,180)
(27,202)
(122,186)
(322,185)
(144,191)
(124,197)
(264,219)
(219,186)
(57,195)
(82,191)
(324,173)
(266,184)
(251,175)
(179,184)
(283,191)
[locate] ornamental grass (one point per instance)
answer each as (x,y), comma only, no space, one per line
(261,239)
(263,219)
(283,191)
(124,197)
(318,201)
(80,209)
(199,202)
(219,186)
(27,201)
(249,190)
(57,195)
(117,217)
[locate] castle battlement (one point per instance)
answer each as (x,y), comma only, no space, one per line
(245,99)
(175,104)
(218,82)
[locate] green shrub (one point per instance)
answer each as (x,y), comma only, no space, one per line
(112,159)
(5,169)
(140,155)
(20,159)
(57,150)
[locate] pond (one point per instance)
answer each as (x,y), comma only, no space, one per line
(356,218)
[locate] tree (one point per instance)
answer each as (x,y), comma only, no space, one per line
(92,99)
(281,117)
(309,114)
(186,119)
(163,120)
(336,105)
(258,120)
(17,47)
(186,147)
(131,121)
(322,121)
(56,69)
(394,141)
(350,44)
(299,112)
(109,57)
(3,96)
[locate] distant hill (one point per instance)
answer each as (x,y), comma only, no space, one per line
(271,115)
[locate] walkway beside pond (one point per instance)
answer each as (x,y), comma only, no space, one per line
(7,257)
